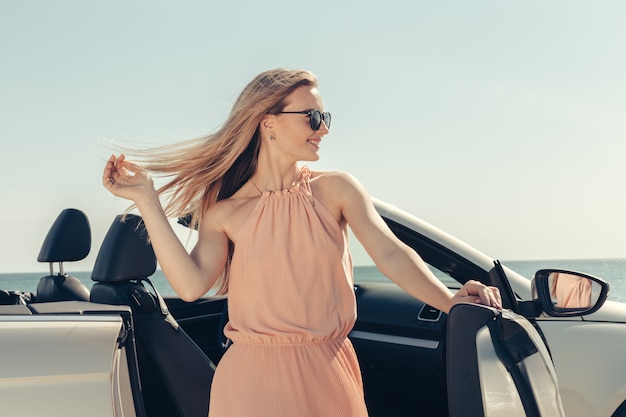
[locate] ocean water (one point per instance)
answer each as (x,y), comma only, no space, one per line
(612,270)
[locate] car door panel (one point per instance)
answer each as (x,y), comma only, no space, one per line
(203,321)
(399,341)
(498,365)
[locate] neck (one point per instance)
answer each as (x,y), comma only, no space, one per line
(275,176)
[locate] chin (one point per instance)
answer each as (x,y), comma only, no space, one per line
(310,158)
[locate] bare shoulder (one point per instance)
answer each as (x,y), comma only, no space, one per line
(340,184)
(336,190)
(214,216)
(333,179)
(228,215)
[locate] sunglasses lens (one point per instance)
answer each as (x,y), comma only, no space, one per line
(326,119)
(316,119)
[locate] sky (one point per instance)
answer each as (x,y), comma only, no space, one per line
(501,122)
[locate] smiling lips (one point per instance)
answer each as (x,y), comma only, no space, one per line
(314,142)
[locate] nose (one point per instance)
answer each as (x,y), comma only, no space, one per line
(323,128)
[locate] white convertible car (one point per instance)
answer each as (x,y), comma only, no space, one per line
(120,349)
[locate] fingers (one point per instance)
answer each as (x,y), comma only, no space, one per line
(497,298)
(129,166)
(127,180)
(482,294)
(116,168)
(107,175)
(490,296)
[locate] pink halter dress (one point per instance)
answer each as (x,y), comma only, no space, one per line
(291,307)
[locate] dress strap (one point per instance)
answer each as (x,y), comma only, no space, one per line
(257,188)
(302,183)
(305,174)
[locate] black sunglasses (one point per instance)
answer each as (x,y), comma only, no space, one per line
(316,117)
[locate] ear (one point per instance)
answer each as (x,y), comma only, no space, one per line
(268,121)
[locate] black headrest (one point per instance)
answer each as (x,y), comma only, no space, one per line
(69,238)
(125,253)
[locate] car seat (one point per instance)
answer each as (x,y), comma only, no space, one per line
(68,240)
(175,373)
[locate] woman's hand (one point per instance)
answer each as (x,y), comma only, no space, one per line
(127,180)
(478,293)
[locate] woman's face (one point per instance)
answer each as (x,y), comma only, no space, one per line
(293,132)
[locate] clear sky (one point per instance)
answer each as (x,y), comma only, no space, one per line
(501,122)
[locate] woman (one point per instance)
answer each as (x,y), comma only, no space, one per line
(274,236)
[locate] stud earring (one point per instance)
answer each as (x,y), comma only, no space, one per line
(271,137)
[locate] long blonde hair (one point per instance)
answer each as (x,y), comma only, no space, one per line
(212,168)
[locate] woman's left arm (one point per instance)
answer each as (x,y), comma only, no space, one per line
(395,259)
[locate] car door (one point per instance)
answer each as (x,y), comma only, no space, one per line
(66,359)
(498,366)
(496,362)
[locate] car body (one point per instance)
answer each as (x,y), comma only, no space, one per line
(587,351)
(158,354)
(65,360)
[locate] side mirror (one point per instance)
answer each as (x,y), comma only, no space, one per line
(563,293)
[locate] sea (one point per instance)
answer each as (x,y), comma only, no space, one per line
(612,270)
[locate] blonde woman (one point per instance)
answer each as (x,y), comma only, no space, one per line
(273,235)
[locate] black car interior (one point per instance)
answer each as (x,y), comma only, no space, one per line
(176,374)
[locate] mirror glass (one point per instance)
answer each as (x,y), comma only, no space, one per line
(570,291)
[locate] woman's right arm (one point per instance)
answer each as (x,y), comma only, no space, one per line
(190,275)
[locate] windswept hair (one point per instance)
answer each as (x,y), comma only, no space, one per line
(204,170)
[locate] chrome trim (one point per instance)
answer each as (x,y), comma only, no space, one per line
(420,318)
(394,340)
(60,317)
